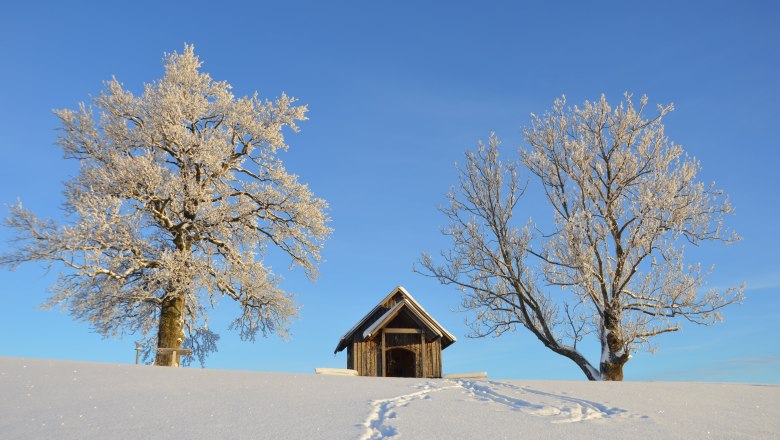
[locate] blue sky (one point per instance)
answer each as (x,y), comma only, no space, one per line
(397,91)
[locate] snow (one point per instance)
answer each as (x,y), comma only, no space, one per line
(367,333)
(80,400)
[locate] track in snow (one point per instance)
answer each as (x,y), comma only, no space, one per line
(383,410)
(560,408)
(563,409)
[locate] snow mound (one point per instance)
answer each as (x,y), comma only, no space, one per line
(80,400)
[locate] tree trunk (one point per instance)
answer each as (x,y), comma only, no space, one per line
(612,344)
(170,333)
(612,370)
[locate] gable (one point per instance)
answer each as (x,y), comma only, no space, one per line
(401,312)
(399,304)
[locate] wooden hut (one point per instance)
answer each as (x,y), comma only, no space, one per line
(397,338)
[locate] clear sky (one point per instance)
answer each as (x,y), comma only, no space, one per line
(397,91)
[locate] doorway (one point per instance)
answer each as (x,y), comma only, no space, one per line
(400,363)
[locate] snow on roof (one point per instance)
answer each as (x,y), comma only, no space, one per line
(411,304)
(427,315)
(390,314)
(378,323)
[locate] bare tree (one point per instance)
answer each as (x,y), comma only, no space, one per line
(624,200)
(179,193)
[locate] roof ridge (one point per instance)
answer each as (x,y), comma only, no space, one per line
(413,304)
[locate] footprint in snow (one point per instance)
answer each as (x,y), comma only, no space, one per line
(561,408)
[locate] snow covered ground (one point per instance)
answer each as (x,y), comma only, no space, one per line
(78,400)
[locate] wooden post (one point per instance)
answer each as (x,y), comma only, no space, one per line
(422,346)
(384,361)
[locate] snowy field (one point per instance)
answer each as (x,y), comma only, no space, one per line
(79,400)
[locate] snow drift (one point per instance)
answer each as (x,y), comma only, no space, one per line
(79,400)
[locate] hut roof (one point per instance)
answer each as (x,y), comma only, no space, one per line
(409,303)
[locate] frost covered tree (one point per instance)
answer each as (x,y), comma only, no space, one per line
(624,201)
(180,194)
